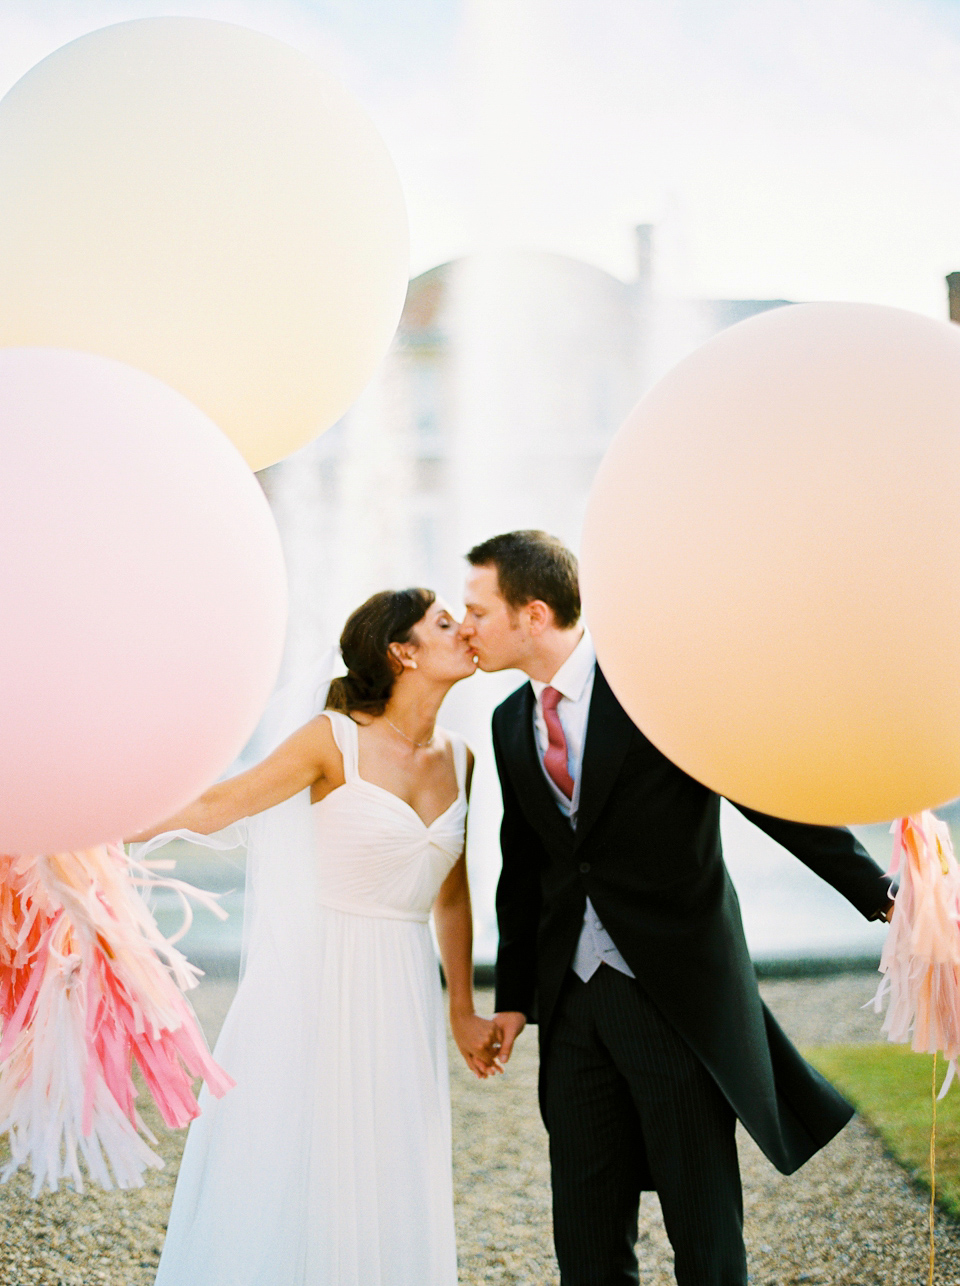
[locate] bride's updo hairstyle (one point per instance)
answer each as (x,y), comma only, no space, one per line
(387,617)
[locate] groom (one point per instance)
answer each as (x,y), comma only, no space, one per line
(620,935)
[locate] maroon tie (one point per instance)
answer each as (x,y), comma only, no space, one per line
(555,757)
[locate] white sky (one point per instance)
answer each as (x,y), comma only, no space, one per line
(804,149)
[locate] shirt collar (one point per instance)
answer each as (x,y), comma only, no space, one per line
(572,677)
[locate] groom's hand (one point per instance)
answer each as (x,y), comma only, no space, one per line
(511,1024)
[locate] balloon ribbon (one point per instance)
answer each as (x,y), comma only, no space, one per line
(933,1168)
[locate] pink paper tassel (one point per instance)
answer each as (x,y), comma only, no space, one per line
(921,956)
(88,987)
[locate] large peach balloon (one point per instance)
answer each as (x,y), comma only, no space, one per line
(203,202)
(771,563)
(142,599)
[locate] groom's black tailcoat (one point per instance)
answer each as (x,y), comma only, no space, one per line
(646,850)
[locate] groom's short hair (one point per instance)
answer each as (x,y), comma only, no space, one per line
(533,565)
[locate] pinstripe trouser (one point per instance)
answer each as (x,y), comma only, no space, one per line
(625,1100)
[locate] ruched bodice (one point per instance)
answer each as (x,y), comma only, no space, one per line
(375,854)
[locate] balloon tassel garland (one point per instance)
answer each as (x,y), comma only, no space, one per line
(88,986)
(921,957)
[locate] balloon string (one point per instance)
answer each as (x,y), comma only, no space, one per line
(933,1166)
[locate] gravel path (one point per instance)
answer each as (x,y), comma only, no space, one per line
(848,1218)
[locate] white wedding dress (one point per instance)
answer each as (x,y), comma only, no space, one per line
(329,1163)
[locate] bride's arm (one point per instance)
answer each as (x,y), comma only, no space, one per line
(477,1038)
(307,756)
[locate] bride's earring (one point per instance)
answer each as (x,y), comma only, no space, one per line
(413,665)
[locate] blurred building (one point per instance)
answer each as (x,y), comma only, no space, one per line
(508,377)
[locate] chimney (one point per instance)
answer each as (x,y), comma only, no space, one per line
(953,288)
(644,246)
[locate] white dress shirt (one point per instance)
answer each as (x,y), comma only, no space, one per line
(574,682)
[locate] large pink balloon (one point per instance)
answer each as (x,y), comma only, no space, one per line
(143,600)
(771,563)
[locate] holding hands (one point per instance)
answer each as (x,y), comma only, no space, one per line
(479,1040)
(486,1043)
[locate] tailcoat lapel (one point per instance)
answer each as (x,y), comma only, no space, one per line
(609,732)
(520,751)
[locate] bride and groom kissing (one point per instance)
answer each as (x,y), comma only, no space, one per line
(620,936)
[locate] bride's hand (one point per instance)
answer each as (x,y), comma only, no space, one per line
(478,1040)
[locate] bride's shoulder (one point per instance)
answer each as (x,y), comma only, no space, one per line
(450,739)
(322,731)
(454,744)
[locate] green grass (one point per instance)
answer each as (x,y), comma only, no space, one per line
(890,1086)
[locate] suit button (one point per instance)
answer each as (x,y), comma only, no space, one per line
(584,868)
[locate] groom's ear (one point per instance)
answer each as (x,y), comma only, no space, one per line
(539,616)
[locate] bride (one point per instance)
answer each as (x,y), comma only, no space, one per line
(329,1163)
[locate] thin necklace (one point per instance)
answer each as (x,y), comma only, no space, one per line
(419,744)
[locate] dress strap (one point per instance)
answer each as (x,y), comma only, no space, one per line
(459,761)
(345,735)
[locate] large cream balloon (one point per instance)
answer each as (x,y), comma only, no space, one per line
(771,563)
(203,202)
